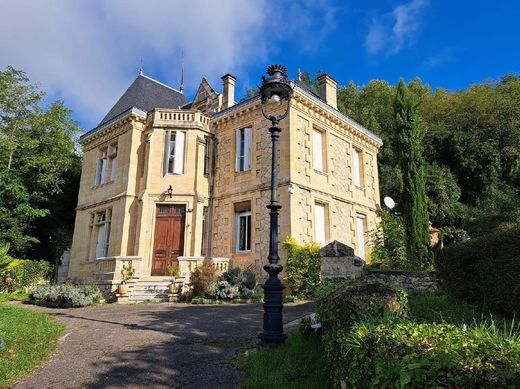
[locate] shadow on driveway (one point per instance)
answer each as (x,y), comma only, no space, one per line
(153,346)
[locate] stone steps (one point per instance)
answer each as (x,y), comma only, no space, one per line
(150,290)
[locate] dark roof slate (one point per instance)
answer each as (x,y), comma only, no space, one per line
(146,94)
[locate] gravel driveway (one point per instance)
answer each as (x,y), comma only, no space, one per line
(152,346)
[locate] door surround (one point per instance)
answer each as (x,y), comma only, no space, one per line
(169,239)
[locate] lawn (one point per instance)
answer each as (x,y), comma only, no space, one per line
(17,296)
(297,364)
(29,338)
(300,363)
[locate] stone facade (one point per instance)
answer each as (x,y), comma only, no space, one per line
(211,198)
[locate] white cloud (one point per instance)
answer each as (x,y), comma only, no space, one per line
(443,57)
(393,31)
(88,52)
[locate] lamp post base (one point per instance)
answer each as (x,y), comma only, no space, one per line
(273,295)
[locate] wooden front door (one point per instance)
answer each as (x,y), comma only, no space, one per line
(169,237)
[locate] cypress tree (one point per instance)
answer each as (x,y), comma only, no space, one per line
(413,201)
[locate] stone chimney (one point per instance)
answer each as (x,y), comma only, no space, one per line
(328,90)
(228,91)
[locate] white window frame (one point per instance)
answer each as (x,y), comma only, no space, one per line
(101,167)
(243,143)
(318,152)
(357,167)
(238,216)
(360,234)
(320,223)
(102,221)
(113,162)
(175,152)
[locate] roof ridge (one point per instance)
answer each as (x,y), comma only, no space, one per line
(160,83)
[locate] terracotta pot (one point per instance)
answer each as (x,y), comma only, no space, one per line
(123,290)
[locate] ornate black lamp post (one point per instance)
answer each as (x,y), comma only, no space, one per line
(275,89)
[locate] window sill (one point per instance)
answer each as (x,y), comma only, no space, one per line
(325,174)
(243,252)
(103,184)
(239,173)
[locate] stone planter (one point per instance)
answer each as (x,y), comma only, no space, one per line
(175,289)
(122,290)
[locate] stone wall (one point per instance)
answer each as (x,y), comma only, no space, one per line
(410,281)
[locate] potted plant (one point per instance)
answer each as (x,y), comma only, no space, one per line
(173,271)
(127,272)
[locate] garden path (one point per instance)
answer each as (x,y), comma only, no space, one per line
(152,345)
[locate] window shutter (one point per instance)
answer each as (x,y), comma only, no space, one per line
(248,134)
(317,150)
(356,167)
(178,167)
(360,232)
(238,150)
(166,150)
(319,218)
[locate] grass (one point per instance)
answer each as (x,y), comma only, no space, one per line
(17,296)
(299,363)
(29,338)
(438,307)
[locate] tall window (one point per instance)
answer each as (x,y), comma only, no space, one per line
(206,156)
(101,167)
(101,228)
(243,227)
(113,162)
(175,144)
(357,167)
(243,139)
(318,151)
(204,224)
(320,223)
(360,233)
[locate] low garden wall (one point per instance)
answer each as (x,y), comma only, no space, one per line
(418,281)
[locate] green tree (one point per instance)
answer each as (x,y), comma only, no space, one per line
(36,149)
(413,202)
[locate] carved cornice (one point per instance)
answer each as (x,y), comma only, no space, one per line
(329,119)
(111,130)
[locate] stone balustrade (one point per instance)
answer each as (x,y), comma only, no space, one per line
(177,118)
(188,264)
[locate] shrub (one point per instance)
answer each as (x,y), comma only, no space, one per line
(450,235)
(303,267)
(240,284)
(389,243)
(225,291)
(484,270)
(398,353)
(66,296)
(203,280)
(16,274)
(358,300)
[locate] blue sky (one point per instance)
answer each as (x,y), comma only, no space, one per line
(88,52)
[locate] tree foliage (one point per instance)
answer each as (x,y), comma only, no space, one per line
(408,140)
(36,150)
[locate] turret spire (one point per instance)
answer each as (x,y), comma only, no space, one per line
(181,89)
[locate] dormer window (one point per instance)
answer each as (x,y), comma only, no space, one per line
(174,153)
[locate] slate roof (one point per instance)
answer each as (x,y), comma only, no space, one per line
(146,94)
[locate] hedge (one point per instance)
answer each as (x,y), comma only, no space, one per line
(485,270)
(399,353)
